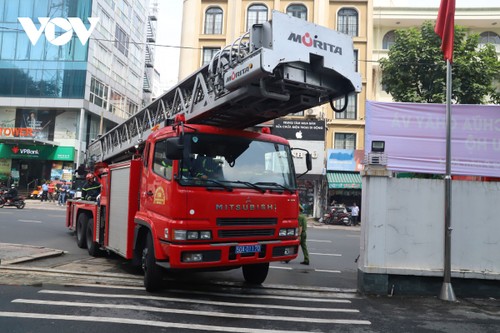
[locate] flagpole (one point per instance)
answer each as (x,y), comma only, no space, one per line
(447,293)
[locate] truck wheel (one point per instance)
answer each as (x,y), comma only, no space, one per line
(255,273)
(93,247)
(152,272)
(81,231)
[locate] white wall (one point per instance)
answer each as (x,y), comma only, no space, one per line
(403,227)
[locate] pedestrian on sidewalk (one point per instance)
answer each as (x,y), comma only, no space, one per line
(45,191)
(303,235)
(355,214)
(51,192)
(63,191)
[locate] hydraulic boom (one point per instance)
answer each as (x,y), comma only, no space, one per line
(277,68)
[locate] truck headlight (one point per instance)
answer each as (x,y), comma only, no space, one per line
(180,234)
(288,232)
(192,235)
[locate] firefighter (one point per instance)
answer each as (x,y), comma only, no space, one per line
(91,189)
(206,167)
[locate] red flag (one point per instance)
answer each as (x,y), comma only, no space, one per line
(445,27)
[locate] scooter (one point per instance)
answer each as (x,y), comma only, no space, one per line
(338,216)
(17,202)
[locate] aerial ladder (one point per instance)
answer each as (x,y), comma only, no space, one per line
(277,68)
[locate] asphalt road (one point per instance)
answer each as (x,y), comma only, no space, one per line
(105,294)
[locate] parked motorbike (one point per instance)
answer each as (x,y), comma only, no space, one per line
(16,202)
(338,215)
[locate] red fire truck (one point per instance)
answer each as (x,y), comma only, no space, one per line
(186,185)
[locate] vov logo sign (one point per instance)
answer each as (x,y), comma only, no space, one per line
(48,25)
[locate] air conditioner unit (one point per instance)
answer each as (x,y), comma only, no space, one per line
(375,159)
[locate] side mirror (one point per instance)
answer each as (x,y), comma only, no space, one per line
(309,161)
(174,149)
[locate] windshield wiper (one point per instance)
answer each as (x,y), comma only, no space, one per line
(227,188)
(276,184)
(252,185)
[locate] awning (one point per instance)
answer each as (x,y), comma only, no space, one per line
(339,179)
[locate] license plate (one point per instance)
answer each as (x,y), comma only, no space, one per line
(247,249)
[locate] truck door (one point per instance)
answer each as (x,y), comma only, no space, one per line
(158,178)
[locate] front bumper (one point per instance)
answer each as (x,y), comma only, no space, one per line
(224,254)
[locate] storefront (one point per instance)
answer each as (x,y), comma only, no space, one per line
(343,177)
(28,165)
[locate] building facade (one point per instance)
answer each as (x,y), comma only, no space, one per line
(69,71)
(207,26)
(481,17)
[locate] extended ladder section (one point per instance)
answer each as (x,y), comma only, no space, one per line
(280,67)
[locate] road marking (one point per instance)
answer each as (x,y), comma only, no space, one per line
(162,324)
(178,311)
(183,300)
(30,221)
(326,271)
(319,241)
(281,267)
(327,254)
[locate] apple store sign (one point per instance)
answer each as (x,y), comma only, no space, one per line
(299,129)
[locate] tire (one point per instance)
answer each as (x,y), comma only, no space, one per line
(93,247)
(153,274)
(21,205)
(81,231)
(255,273)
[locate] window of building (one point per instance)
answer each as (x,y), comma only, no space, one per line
(389,40)
(351,110)
(117,104)
(356,58)
(489,37)
(256,14)
(344,141)
(132,108)
(208,53)
(98,93)
(299,11)
(347,22)
(121,40)
(213,21)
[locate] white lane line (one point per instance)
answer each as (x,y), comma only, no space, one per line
(255,296)
(210,293)
(326,271)
(281,267)
(319,241)
(162,324)
(178,311)
(30,221)
(196,301)
(327,254)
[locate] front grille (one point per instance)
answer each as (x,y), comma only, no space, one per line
(224,222)
(245,233)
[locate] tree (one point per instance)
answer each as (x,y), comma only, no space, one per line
(415,70)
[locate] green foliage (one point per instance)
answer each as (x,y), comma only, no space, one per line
(415,70)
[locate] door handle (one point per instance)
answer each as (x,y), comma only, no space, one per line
(150,193)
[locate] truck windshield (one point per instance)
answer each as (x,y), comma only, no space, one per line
(224,161)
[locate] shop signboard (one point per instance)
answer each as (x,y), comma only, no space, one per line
(39,152)
(344,160)
(300,129)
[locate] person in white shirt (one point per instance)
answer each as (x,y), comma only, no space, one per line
(355,214)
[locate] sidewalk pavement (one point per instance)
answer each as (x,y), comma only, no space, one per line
(37,204)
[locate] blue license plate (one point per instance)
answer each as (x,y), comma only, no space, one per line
(247,249)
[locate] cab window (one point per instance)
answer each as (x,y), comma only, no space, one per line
(162,166)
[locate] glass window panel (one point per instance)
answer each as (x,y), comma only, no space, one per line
(38,50)
(41,8)
(8,45)
(5,82)
(213,21)
(58,9)
(256,14)
(80,51)
(348,21)
(350,111)
(20,83)
(299,11)
(49,83)
(489,37)
(389,40)
(34,82)
(52,52)
(345,141)
(11,10)
(26,10)
(23,47)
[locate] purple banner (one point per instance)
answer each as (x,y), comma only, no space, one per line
(415,137)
